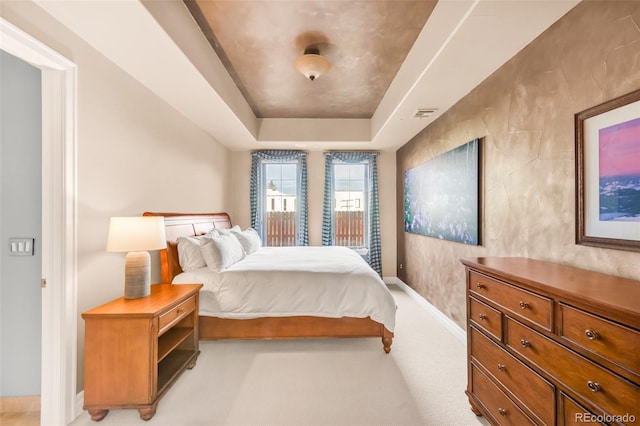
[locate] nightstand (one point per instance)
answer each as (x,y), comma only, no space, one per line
(135,349)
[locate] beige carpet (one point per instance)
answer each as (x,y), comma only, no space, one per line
(322,382)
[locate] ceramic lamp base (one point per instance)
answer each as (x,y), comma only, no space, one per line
(137,275)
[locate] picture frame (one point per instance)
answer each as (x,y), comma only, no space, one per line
(607,161)
(442,196)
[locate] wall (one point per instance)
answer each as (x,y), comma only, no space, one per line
(21,206)
(525,113)
(135,153)
(315,176)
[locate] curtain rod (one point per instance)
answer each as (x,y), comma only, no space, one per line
(354,151)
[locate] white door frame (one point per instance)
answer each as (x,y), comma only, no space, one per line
(59,247)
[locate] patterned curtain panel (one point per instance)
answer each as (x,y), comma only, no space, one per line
(257,202)
(373,207)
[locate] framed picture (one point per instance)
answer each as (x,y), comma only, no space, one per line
(608,174)
(441,196)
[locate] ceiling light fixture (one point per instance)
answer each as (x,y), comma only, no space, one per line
(311,64)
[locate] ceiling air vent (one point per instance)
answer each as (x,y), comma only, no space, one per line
(424,112)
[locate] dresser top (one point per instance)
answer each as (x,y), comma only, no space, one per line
(566,282)
(162,298)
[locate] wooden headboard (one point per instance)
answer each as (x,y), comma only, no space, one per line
(185,225)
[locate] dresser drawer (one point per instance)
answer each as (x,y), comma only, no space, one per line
(496,402)
(167,319)
(486,318)
(574,414)
(538,395)
(521,303)
(617,343)
(600,387)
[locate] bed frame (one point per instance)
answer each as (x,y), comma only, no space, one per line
(213,328)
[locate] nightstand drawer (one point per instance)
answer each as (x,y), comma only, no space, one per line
(176,314)
(609,392)
(538,395)
(524,304)
(497,403)
(619,344)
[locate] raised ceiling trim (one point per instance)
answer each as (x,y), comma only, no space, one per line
(168,53)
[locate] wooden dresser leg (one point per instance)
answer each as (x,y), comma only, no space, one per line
(474,409)
(146,413)
(97,415)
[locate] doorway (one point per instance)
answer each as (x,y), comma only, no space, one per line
(21,260)
(59,252)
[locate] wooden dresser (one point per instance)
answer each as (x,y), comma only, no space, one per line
(551,344)
(135,349)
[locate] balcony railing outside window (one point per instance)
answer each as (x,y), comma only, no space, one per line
(281,229)
(349,228)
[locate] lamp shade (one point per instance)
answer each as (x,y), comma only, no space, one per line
(311,64)
(142,233)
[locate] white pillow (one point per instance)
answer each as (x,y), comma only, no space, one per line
(249,239)
(227,231)
(189,253)
(220,252)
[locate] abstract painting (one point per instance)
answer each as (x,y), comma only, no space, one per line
(441,196)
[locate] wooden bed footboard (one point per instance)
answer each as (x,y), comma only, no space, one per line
(213,328)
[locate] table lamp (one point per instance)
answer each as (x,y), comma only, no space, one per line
(136,235)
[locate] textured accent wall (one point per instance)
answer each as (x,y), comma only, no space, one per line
(525,114)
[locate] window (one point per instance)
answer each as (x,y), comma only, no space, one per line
(281,194)
(351,214)
(349,195)
(279,197)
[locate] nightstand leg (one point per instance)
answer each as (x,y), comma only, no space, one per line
(147,412)
(97,415)
(192,363)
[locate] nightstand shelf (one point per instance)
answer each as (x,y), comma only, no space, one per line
(171,340)
(135,349)
(172,366)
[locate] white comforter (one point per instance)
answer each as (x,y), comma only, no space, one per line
(285,281)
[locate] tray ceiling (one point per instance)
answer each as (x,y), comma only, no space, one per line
(365,42)
(228,65)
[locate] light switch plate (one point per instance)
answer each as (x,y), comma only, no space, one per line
(21,246)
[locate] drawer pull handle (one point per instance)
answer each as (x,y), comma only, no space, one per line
(180,310)
(525,343)
(524,305)
(593,386)
(591,335)
(502,411)
(479,285)
(502,367)
(482,316)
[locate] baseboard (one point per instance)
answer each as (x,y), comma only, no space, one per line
(445,321)
(79,403)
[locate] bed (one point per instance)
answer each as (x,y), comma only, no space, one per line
(265,326)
